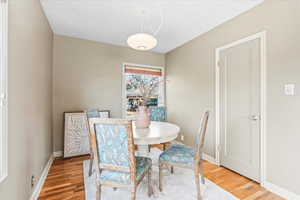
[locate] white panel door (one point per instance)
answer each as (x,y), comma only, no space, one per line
(240,108)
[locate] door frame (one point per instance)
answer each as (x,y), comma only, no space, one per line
(3,90)
(262,37)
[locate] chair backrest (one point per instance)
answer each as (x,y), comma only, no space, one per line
(92,113)
(157,113)
(113,141)
(200,141)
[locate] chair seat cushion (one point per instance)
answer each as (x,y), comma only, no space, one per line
(179,154)
(142,165)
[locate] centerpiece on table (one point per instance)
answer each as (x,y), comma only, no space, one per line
(147,89)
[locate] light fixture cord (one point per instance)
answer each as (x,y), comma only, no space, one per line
(161,20)
(143,21)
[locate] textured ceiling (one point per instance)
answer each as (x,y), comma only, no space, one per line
(112,21)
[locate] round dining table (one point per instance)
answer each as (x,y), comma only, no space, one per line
(157,133)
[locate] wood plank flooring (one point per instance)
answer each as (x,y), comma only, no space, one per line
(65,182)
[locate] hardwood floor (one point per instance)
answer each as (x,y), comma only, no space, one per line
(238,185)
(65,182)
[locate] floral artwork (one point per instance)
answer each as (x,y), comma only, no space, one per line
(142,90)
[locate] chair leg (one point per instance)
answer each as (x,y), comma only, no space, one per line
(164,146)
(150,189)
(201,169)
(91,164)
(98,194)
(202,173)
(202,180)
(160,177)
(133,194)
(172,170)
(197,181)
(149,148)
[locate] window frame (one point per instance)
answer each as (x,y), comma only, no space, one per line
(3,89)
(163,88)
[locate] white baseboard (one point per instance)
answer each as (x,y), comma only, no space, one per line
(281,191)
(210,159)
(57,154)
(38,187)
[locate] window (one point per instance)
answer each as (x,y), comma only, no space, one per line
(131,92)
(3,89)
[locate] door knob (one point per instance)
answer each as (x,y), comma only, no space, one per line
(255,117)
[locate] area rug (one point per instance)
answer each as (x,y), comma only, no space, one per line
(177,186)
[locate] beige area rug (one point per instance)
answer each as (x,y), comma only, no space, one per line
(178,186)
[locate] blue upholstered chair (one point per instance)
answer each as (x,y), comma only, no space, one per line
(182,156)
(93,113)
(157,113)
(112,141)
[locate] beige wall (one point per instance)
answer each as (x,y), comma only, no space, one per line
(29,95)
(190,90)
(89,75)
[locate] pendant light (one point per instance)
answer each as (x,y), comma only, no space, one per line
(143,41)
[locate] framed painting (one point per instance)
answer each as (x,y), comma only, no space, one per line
(104,113)
(76,130)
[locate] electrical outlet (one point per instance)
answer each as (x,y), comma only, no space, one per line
(32,181)
(182,138)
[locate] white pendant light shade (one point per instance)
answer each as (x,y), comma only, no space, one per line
(142,41)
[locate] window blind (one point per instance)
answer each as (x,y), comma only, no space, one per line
(143,70)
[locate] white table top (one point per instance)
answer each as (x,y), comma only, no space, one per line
(157,133)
